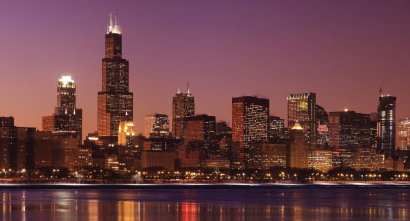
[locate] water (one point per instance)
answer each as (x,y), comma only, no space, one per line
(206,204)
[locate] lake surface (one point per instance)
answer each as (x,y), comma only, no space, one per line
(206,204)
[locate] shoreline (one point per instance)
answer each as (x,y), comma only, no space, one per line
(355,185)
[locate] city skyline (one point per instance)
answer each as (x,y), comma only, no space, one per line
(214,99)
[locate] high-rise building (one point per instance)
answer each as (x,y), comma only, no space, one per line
(348,129)
(183,105)
(249,122)
(298,148)
(403,134)
(115,102)
(302,108)
(276,126)
(386,126)
(199,128)
(156,125)
(67,118)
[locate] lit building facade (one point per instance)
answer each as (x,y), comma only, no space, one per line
(115,102)
(302,108)
(156,125)
(267,155)
(276,126)
(386,125)
(126,133)
(403,134)
(249,122)
(321,160)
(183,105)
(67,119)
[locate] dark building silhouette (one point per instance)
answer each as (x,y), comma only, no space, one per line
(67,119)
(348,129)
(115,102)
(302,108)
(249,122)
(386,126)
(183,105)
(200,127)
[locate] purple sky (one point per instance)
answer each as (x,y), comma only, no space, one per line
(342,50)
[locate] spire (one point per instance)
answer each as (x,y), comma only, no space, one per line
(179,90)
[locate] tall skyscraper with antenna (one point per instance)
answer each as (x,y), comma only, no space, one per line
(115,102)
(183,105)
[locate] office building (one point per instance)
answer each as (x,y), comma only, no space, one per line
(67,118)
(386,126)
(249,122)
(115,101)
(183,105)
(302,108)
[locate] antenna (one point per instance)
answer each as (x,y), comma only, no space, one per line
(111,19)
(116,22)
(179,90)
(187,87)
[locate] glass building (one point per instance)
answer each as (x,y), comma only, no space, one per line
(386,125)
(302,108)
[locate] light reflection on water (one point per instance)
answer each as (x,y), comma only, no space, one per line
(206,204)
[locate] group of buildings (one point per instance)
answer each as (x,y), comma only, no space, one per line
(313,138)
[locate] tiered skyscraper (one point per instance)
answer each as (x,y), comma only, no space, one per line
(183,105)
(115,102)
(386,126)
(67,119)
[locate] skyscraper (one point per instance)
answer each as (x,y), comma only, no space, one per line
(199,128)
(183,105)
(115,102)
(386,126)
(302,108)
(299,149)
(249,122)
(67,119)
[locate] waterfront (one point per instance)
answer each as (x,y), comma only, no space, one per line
(327,203)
